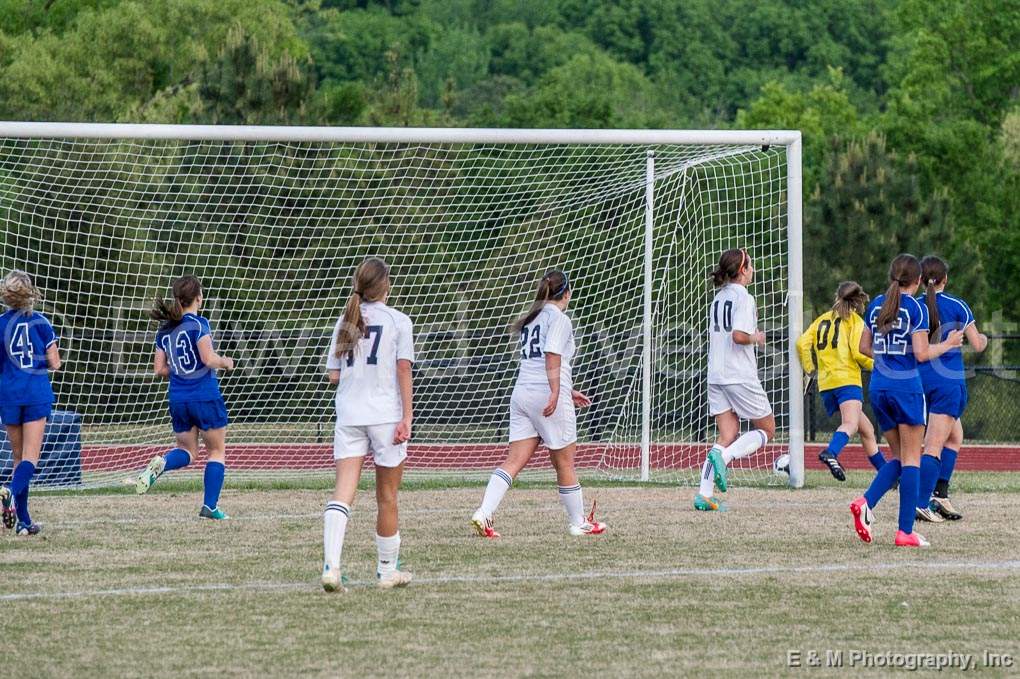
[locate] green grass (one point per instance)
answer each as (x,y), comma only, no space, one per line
(666,592)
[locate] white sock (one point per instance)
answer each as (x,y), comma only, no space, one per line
(573,503)
(389,552)
(707,480)
(499,484)
(334,521)
(745,445)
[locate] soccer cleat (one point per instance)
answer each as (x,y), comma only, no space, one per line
(864,520)
(828,459)
(926,514)
(944,508)
(590,525)
(914,539)
(719,468)
(149,475)
(7,500)
(333,581)
(707,504)
(215,514)
(483,525)
(393,579)
(27,529)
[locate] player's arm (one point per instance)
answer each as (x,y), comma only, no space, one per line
(744,330)
(864,345)
(334,376)
(804,342)
(924,351)
(403,432)
(857,331)
(210,357)
(976,338)
(53,357)
(552,371)
(159,364)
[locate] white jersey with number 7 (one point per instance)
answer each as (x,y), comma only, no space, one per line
(728,362)
(368,392)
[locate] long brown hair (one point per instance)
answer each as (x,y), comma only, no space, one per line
(184,291)
(905,270)
(552,286)
(934,271)
(371,284)
(850,297)
(731,263)
(18,291)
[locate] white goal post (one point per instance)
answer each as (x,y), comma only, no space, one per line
(273,220)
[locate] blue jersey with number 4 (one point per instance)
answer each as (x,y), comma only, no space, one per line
(190,378)
(24,376)
(895,363)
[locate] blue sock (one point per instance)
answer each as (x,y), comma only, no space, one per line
(213,480)
(948,464)
(175,459)
(883,481)
(877,460)
(19,489)
(839,440)
(930,467)
(910,481)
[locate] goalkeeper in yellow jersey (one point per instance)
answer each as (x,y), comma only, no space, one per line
(833,342)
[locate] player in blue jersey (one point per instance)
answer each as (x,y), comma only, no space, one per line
(185,355)
(945,391)
(26,397)
(896,336)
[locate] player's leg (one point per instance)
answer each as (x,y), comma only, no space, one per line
(911,442)
(215,471)
(713,470)
(849,412)
(502,478)
(763,430)
(184,453)
(940,497)
(869,441)
(571,495)
(387,527)
(887,476)
(940,426)
(31,440)
(6,495)
(335,518)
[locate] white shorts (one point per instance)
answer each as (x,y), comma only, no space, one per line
(527,421)
(748,401)
(356,441)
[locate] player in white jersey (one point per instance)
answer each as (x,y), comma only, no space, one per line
(542,408)
(734,390)
(369,360)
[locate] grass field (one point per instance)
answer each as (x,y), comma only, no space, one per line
(120,585)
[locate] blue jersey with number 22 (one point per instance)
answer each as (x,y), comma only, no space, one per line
(190,378)
(895,363)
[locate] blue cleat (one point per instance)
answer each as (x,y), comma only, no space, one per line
(216,514)
(718,467)
(27,529)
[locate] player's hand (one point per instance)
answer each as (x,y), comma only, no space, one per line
(228,363)
(758,338)
(580,400)
(955,338)
(403,431)
(550,407)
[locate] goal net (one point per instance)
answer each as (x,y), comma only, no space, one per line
(274,220)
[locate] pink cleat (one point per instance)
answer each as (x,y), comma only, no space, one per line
(910,540)
(863,518)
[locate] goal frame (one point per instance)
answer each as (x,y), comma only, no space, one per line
(790,139)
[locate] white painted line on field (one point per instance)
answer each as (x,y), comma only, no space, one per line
(672,573)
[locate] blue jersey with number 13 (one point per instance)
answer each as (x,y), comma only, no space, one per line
(190,378)
(895,363)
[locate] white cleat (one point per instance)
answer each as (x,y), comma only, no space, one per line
(394,579)
(332,581)
(483,525)
(588,528)
(925,514)
(149,475)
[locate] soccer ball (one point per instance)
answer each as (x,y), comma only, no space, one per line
(781,466)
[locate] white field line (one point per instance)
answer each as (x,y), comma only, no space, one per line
(668,574)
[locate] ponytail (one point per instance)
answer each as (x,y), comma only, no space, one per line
(371,284)
(850,297)
(184,292)
(552,286)
(904,271)
(934,272)
(731,263)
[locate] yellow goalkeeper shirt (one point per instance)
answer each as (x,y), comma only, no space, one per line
(835,344)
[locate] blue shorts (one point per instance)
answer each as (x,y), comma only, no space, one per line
(206,415)
(832,398)
(947,399)
(897,407)
(14,415)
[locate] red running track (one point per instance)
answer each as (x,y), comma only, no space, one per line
(475,457)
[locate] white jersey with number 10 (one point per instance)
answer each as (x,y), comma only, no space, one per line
(728,362)
(368,393)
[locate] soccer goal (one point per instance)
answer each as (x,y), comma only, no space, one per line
(274,220)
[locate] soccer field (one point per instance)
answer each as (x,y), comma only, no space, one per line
(121,585)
